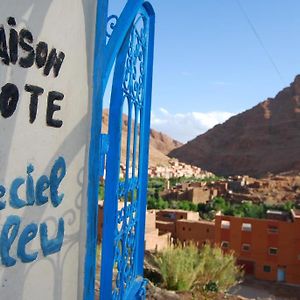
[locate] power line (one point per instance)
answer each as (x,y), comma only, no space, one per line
(260,41)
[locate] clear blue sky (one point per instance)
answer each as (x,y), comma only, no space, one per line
(209,63)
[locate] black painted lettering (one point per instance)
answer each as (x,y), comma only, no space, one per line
(9,98)
(35,91)
(13,41)
(11,21)
(51,108)
(26,39)
(3,47)
(41,54)
(54,61)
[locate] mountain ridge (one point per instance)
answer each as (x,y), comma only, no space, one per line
(160,143)
(261,140)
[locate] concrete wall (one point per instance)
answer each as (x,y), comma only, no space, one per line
(33,146)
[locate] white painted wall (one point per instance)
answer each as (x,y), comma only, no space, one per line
(67,25)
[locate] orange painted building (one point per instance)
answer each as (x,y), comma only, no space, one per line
(269,249)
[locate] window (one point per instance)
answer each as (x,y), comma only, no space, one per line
(246,227)
(246,247)
(170,216)
(272,229)
(225,224)
(183,228)
(267,269)
(225,245)
(207,230)
(273,251)
(190,229)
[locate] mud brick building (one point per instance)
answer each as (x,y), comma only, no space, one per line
(269,249)
(199,232)
(154,240)
(166,220)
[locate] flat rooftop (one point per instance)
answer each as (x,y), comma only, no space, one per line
(165,223)
(198,221)
(296,212)
(173,210)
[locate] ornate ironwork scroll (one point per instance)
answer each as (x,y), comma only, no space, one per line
(111,23)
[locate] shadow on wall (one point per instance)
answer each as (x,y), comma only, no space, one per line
(35,11)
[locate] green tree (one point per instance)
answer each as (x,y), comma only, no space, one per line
(185,205)
(173,204)
(101,192)
(287,206)
(151,203)
(219,203)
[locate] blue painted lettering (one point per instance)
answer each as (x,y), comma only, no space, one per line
(35,194)
(42,185)
(2,193)
(58,172)
(28,234)
(30,186)
(15,201)
(8,235)
(54,245)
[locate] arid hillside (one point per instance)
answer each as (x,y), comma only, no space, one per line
(160,143)
(262,140)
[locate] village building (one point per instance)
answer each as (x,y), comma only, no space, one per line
(195,193)
(268,249)
(198,232)
(166,220)
(154,240)
(176,169)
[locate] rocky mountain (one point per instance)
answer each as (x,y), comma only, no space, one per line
(160,143)
(163,142)
(264,139)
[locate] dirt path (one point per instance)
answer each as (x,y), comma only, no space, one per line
(262,290)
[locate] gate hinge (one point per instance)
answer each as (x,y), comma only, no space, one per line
(104,146)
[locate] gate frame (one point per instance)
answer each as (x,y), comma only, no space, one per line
(105,54)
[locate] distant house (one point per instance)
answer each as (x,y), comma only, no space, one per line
(192,193)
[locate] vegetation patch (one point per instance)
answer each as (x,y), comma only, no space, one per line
(246,209)
(203,271)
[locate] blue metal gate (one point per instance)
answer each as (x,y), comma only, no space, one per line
(130,49)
